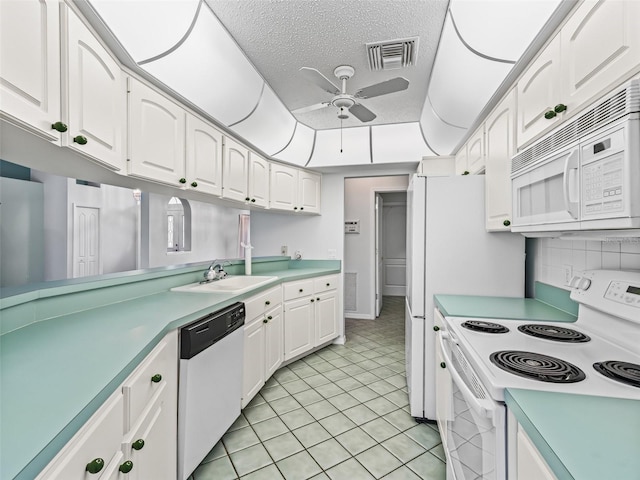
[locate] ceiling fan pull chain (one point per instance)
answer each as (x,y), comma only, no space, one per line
(341,132)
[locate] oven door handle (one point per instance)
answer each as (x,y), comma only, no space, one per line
(484,406)
(571,164)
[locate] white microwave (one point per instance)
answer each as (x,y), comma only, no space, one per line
(591,183)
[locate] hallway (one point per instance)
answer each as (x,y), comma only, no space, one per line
(339,413)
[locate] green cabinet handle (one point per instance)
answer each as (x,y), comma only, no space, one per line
(59,126)
(265,320)
(269,317)
(506,223)
(466,172)
(267,302)
(550,114)
(561,107)
(436,328)
(157,378)
(328,284)
(80,140)
(126,467)
(301,208)
(301,290)
(318,298)
(246,199)
(138,444)
(312,300)
(194,184)
(183,180)
(253,200)
(295,208)
(443,365)
(95,465)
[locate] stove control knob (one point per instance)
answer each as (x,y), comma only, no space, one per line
(584,284)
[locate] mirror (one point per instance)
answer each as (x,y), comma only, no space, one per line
(55,228)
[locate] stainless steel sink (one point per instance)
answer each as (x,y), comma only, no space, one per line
(231,284)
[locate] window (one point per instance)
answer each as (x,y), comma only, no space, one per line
(178,225)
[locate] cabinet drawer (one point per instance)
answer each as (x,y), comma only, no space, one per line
(298,289)
(100,438)
(257,305)
(323,284)
(144,383)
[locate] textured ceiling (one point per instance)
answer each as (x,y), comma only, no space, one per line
(280,36)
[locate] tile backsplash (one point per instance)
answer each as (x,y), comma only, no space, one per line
(551,256)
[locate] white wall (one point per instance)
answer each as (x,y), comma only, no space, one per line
(550,256)
(214,233)
(359,204)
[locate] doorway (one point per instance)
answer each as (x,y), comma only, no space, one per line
(86,241)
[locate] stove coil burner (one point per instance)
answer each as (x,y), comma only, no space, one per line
(555,333)
(486,327)
(623,372)
(537,366)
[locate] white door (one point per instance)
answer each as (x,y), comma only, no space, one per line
(475,152)
(309,191)
(378,252)
(258,180)
(96,95)
(30,64)
(235,171)
(204,157)
(86,241)
(284,187)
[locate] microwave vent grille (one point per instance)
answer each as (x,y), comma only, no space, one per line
(621,103)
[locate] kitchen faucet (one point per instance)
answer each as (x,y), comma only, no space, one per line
(215,271)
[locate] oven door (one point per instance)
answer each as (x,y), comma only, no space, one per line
(476,431)
(549,192)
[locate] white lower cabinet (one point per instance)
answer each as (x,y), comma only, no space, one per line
(531,465)
(310,314)
(133,435)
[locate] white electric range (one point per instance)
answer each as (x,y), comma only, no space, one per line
(598,355)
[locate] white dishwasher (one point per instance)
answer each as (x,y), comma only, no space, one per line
(210,391)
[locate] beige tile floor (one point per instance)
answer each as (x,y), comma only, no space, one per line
(339,413)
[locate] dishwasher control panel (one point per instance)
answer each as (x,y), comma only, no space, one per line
(204,332)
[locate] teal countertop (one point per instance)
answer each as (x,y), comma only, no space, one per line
(581,437)
(55,373)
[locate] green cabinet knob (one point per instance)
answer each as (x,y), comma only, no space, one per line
(301,290)
(318,298)
(295,208)
(194,184)
(436,328)
(267,302)
(183,180)
(157,378)
(301,208)
(59,126)
(312,300)
(95,465)
(506,223)
(466,172)
(269,317)
(246,199)
(126,467)
(561,107)
(443,365)
(265,320)
(138,444)
(80,140)
(550,114)
(253,200)
(328,284)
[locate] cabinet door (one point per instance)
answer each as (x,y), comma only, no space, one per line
(156,135)
(298,327)
(254,367)
(112,470)
(475,152)
(531,465)
(309,187)
(258,180)
(500,147)
(273,350)
(95,96)
(326,317)
(235,171)
(461,161)
(284,187)
(204,157)
(539,92)
(600,47)
(30,65)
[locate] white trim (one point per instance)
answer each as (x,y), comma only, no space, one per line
(359,316)
(340,340)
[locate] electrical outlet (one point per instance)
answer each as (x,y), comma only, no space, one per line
(298,255)
(568,273)
(284,250)
(333,253)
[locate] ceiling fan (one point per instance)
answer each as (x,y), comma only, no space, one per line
(343,100)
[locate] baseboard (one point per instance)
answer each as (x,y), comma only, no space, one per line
(359,316)
(340,340)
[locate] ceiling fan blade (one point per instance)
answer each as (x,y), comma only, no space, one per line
(394,85)
(311,108)
(314,76)
(362,113)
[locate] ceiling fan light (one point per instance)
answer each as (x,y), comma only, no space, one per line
(343,116)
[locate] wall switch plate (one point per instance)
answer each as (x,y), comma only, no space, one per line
(284,250)
(568,273)
(298,255)
(332,253)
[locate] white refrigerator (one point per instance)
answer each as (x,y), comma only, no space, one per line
(449,252)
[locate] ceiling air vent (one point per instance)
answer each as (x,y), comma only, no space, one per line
(392,54)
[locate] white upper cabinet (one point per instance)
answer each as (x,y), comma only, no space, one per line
(94,96)
(156,135)
(475,152)
(600,47)
(499,148)
(539,93)
(258,181)
(309,185)
(462,167)
(30,65)
(284,187)
(204,157)
(235,171)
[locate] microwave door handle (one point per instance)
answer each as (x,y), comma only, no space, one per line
(484,406)
(571,165)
